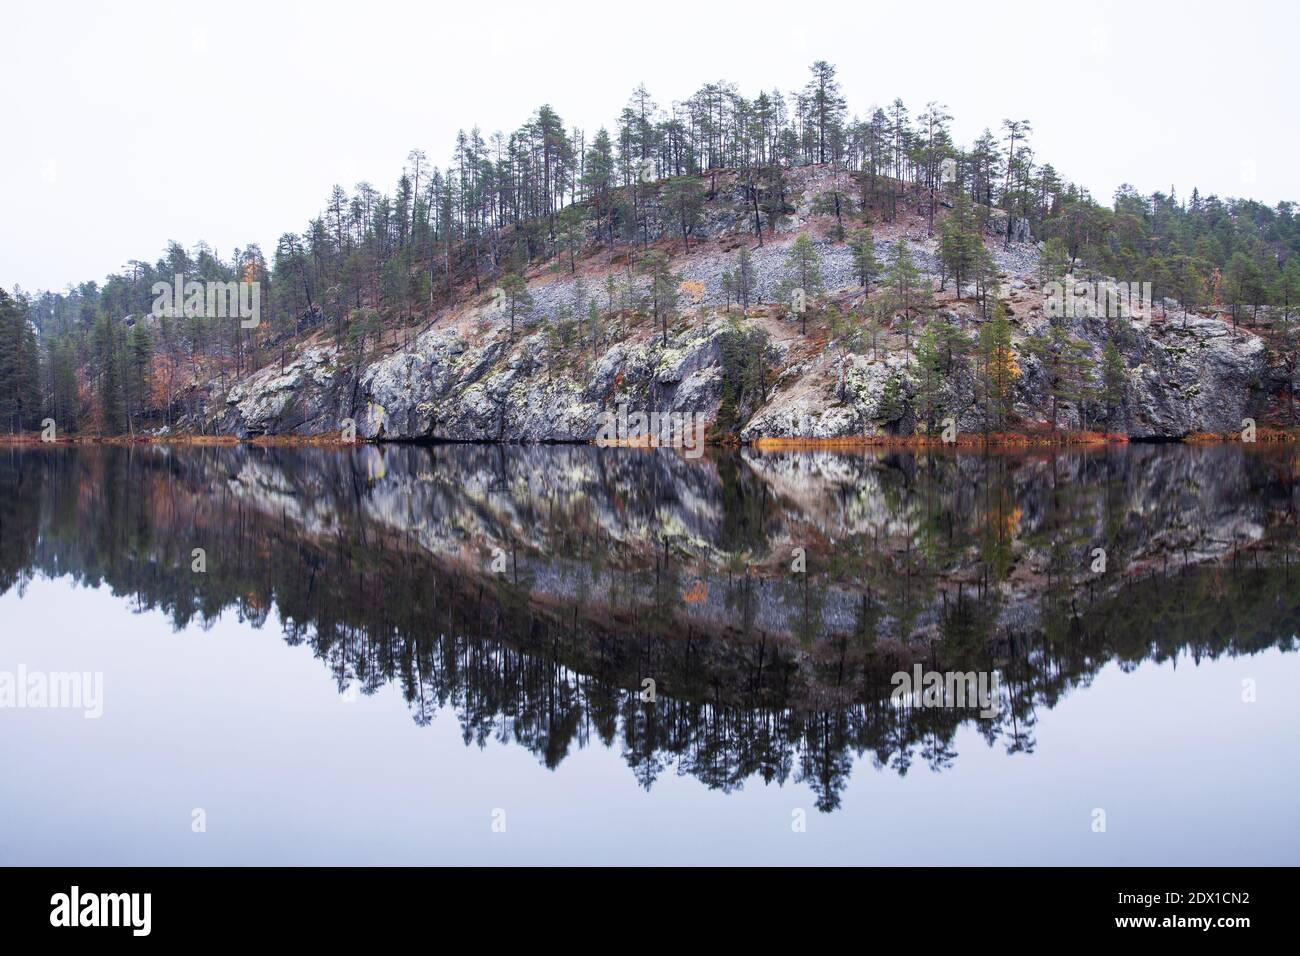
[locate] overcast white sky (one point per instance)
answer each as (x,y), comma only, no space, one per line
(128,124)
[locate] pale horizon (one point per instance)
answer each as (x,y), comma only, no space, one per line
(133,126)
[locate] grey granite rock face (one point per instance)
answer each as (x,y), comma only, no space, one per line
(308,396)
(999,222)
(1204,377)
(447,390)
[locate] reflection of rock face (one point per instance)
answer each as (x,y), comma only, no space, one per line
(646,518)
(623,564)
(619,529)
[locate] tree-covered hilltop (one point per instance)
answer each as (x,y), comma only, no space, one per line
(375,268)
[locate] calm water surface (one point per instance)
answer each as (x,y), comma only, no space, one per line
(390,649)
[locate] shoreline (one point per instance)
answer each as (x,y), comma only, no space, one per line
(963,441)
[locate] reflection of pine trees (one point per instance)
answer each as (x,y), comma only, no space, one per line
(22,478)
(552,663)
(826,760)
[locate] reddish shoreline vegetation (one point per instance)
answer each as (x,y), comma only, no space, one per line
(964,442)
(792,274)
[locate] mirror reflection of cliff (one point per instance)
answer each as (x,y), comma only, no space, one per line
(533,590)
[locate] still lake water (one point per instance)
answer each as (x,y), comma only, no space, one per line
(391,653)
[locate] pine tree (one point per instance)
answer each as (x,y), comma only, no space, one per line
(20,383)
(985,273)
(1287,349)
(746,360)
(827,105)
(1287,294)
(1065,364)
(998,366)
(954,345)
(862,246)
(112,413)
(959,242)
(517,297)
(745,278)
(572,229)
(553,343)
(139,376)
(1188,286)
(834,202)
(893,399)
(684,198)
(595,327)
(907,286)
(62,377)
(929,371)
(1245,284)
(803,271)
(663,288)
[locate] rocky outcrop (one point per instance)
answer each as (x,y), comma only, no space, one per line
(446,386)
(999,222)
(1203,377)
(449,389)
(469,379)
(308,396)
